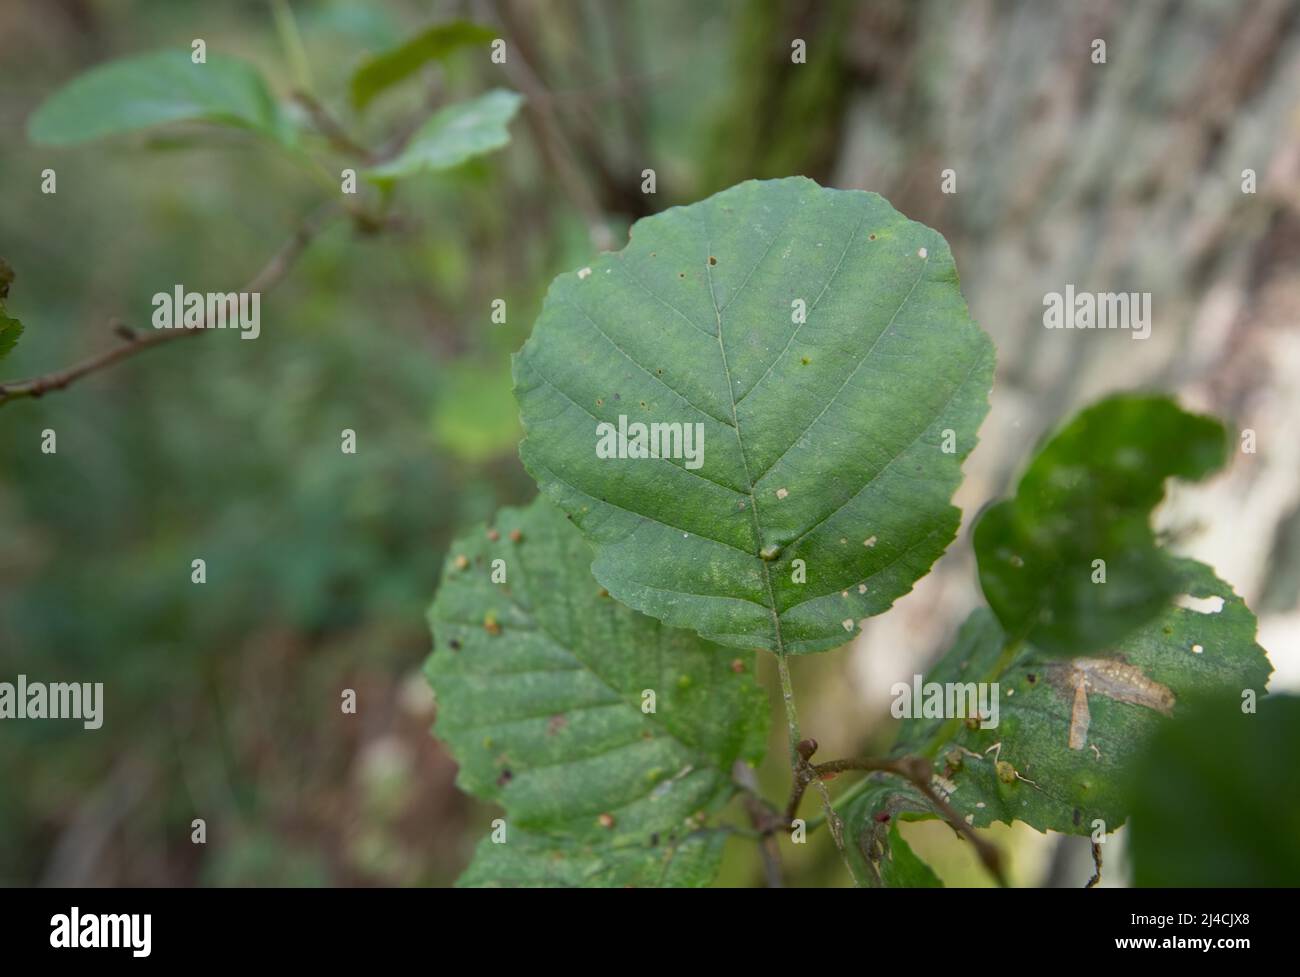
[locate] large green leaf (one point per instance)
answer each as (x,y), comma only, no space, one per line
(152,89)
(1068,728)
(540,683)
(453,135)
(378,74)
(824,440)
(1088,496)
(1216,800)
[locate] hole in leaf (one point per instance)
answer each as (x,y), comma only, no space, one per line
(1201,605)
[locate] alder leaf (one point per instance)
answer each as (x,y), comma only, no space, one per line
(376,75)
(541,682)
(1222,783)
(1068,728)
(1087,496)
(831,446)
(453,135)
(151,89)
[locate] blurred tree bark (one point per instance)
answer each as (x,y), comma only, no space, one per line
(1122,176)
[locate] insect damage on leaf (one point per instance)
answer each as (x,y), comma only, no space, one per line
(1111,678)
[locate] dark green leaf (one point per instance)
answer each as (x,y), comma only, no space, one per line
(836,442)
(1088,496)
(540,684)
(1216,799)
(453,135)
(152,89)
(1069,727)
(381,72)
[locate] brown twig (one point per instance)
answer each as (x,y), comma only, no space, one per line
(551,138)
(917,771)
(271,274)
(1096,863)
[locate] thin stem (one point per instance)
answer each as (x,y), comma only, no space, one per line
(270,275)
(800,752)
(1096,864)
(787,698)
(331,128)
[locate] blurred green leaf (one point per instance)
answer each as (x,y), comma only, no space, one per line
(541,681)
(377,74)
(453,135)
(1086,496)
(152,89)
(475,416)
(1216,799)
(833,431)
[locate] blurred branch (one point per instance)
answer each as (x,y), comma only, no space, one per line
(271,274)
(765,821)
(331,129)
(550,136)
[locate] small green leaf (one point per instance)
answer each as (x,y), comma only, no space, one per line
(152,89)
(10,328)
(474,417)
(381,72)
(902,869)
(879,851)
(453,135)
(1086,497)
(1068,728)
(1216,799)
(820,342)
(542,685)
